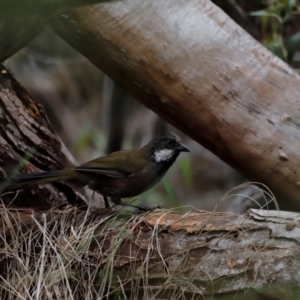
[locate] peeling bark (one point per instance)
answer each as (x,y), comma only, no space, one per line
(197,69)
(166,255)
(218,252)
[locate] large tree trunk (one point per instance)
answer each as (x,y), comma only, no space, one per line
(195,67)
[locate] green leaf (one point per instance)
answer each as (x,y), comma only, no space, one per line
(293,45)
(277,47)
(270,12)
(259,13)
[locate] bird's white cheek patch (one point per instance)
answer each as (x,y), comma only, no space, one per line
(163,155)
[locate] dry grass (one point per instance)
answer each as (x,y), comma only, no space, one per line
(69,254)
(50,256)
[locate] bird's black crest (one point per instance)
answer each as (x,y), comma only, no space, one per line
(168,135)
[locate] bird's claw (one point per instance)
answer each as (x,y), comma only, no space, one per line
(143,208)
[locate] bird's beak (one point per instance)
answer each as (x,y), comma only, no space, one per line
(182,148)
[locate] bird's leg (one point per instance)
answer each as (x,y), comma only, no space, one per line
(106,202)
(118,201)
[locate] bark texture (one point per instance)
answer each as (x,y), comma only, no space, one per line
(161,255)
(192,65)
(27,143)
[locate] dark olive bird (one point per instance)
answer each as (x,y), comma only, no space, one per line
(118,175)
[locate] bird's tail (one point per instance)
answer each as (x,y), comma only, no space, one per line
(25,179)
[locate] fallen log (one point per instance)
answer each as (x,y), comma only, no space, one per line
(159,255)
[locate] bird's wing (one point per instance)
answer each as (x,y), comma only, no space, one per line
(108,173)
(116,165)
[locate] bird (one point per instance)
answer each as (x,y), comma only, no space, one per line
(118,175)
